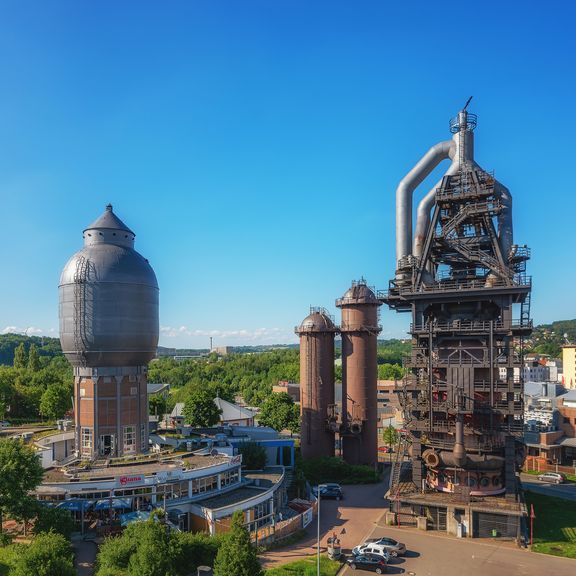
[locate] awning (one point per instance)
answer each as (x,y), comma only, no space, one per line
(117,504)
(131,517)
(76,505)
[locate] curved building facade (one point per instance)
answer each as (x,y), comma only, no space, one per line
(109,332)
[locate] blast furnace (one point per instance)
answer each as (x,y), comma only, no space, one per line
(464,281)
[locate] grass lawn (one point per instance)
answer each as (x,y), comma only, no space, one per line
(306,567)
(554,525)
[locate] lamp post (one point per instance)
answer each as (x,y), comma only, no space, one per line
(318,497)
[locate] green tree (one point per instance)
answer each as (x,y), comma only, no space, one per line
(278,412)
(20,472)
(390,435)
(48,555)
(157,404)
(155,552)
(53,520)
(20,356)
(200,408)
(390,372)
(55,401)
(237,555)
(33,358)
(253,455)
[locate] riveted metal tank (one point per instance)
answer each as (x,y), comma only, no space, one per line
(108,299)
(317,407)
(359,331)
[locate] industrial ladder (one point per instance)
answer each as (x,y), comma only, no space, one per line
(396,472)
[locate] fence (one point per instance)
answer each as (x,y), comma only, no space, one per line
(540,465)
(284,528)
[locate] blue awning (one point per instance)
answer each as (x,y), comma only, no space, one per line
(129,517)
(117,504)
(76,505)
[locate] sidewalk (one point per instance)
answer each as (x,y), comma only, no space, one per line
(352,518)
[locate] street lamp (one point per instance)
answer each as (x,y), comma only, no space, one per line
(318,497)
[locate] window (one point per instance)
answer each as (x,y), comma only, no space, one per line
(129,439)
(86,440)
(205,484)
(173,490)
(566,420)
(230,477)
(143,443)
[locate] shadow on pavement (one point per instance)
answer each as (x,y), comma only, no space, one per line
(411,554)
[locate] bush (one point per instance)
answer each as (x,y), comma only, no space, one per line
(253,456)
(48,555)
(237,555)
(196,549)
(53,519)
(318,470)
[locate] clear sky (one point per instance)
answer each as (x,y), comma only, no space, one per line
(255,146)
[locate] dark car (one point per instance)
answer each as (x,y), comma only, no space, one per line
(332,493)
(368,562)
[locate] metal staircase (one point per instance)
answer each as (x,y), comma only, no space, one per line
(396,472)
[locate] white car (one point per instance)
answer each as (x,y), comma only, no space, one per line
(554,477)
(372,548)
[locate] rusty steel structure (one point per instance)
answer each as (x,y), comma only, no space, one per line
(359,329)
(464,281)
(317,406)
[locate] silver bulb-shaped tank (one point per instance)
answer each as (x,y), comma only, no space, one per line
(108,299)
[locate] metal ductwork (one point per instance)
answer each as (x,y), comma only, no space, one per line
(460,150)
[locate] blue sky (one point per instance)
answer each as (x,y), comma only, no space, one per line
(255,146)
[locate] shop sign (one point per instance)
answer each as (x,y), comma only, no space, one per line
(129,480)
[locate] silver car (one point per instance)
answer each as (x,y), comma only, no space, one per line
(393,547)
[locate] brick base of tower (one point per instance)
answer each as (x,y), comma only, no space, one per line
(111,411)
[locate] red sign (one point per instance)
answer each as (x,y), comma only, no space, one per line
(130,480)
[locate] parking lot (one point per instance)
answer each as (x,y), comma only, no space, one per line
(430,554)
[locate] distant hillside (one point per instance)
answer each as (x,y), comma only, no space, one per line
(549,338)
(46,346)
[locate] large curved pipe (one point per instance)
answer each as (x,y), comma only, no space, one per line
(424,209)
(505,229)
(408,184)
(462,150)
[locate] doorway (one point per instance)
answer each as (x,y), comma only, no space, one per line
(106,445)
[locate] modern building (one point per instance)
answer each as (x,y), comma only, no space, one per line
(569,365)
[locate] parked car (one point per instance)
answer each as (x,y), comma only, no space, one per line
(4,424)
(554,477)
(393,547)
(371,548)
(330,491)
(368,562)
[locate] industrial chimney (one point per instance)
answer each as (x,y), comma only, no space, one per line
(317,407)
(359,331)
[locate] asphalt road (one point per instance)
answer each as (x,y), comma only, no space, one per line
(431,554)
(566,490)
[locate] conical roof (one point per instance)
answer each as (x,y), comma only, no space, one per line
(109,221)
